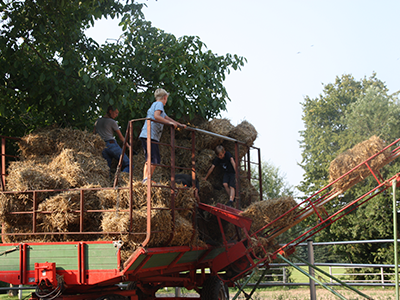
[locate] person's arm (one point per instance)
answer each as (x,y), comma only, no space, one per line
(167,120)
(175,123)
(121,137)
(233,163)
(209,172)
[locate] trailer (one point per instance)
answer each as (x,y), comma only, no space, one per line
(87,269)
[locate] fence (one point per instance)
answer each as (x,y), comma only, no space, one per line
(281,270)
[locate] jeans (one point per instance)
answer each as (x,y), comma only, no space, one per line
(113,150)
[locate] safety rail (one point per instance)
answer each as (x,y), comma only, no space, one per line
(314,204)
(3,159)
(84,214)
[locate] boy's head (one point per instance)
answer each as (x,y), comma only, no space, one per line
(111,112)
(220,151)
(160,94)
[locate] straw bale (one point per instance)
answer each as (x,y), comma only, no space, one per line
(218,126)
(160,224)
(248,193)
(349,159)
(264,212)
(183,232)
(244,132)
(206,191)
(263,247)
(80,168)
(29,175)
(26,228)
(64,209)
(50,141)
(204,160)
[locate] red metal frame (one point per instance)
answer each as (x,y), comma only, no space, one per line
(176,273)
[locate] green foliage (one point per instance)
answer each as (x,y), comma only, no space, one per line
(51,73)
(274,184)
(347,113)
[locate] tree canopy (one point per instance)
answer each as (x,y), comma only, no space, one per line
(274,183)
(52,73)
(346,113)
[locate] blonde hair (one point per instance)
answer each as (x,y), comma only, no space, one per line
(160,93)
(219,149)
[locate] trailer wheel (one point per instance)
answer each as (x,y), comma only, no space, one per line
(214,289)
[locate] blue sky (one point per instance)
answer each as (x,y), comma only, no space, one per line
(293,48)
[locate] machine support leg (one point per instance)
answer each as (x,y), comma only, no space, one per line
(244,285)
(310,249)
(309,276)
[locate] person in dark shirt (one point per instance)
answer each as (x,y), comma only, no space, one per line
(225,160)
(106,127)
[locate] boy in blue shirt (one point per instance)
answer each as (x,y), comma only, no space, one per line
(156,112)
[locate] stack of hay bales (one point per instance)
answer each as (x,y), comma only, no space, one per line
(211,191)
(71,159)
(351,158)
(65,160)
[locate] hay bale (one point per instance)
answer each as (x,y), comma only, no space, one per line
(349,159)
(160,225)
(218,126)
(160,197)
(64,209)
(264,212)
(248,193)
(33,175)
(263,247)
(206,191)
(80,168)
(244,132)
(183,232)
(204,160)
(50,141)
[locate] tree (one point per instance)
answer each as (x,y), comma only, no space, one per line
(347,113)
(274,183)
(51,73)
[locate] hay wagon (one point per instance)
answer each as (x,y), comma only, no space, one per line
(137,250)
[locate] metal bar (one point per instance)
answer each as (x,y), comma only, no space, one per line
(309,276)
(130,176)
(332,277)
(173,190)
(3,163)
(34,207)
(244,284)
(313,291)
(396,264)
(237,173)
(148,175)
(258,282)
(82,208)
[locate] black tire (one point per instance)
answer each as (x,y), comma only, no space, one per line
(214,289)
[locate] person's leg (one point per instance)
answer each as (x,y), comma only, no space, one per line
(232,185)
(116,151)
(107,154)
(226,187)
(232,194)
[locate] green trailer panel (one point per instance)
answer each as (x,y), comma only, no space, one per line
(9,258)
(64,255)
(101,257)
